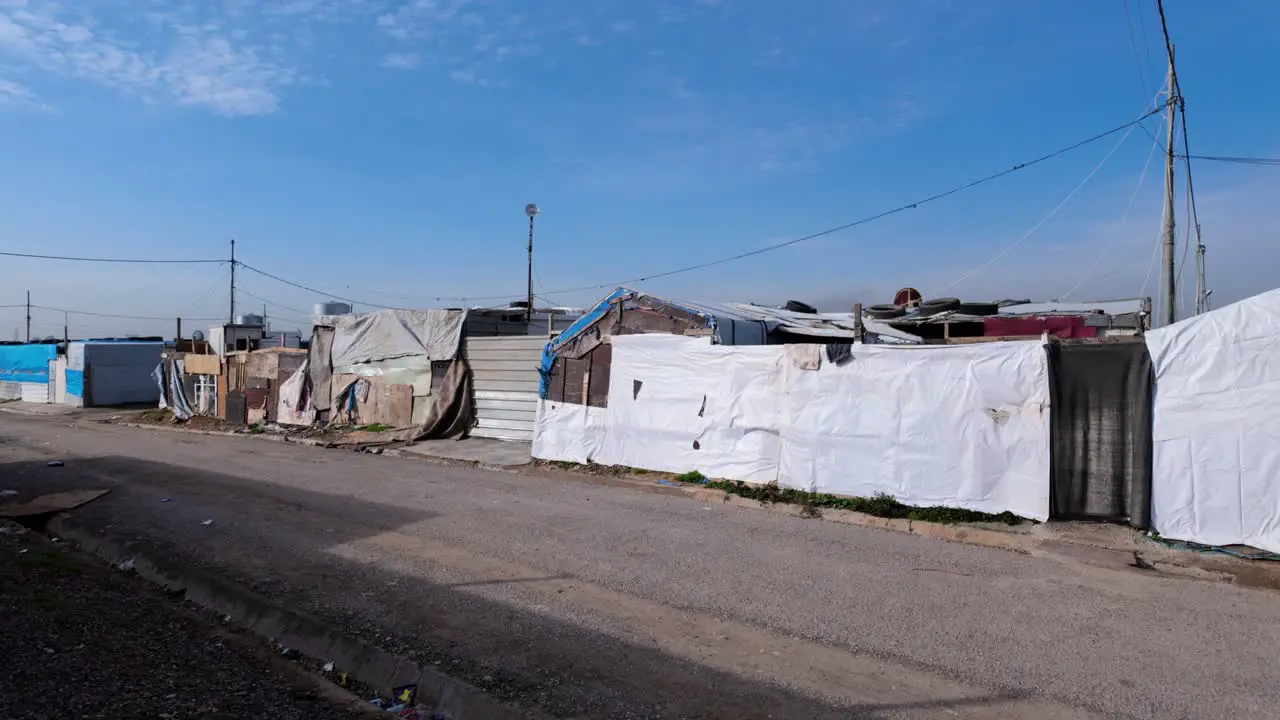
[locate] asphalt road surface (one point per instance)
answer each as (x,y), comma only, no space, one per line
(584,600)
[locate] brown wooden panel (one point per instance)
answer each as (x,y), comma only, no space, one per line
(598,387)
(555,385)
(574,371)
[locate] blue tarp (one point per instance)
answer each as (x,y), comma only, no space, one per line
(26,363)
(569,333)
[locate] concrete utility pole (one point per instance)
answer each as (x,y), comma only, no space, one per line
(232,317)
(1168,269)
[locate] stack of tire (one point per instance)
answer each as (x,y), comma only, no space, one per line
(929,308)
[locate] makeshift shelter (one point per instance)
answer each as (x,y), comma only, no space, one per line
(112,372)
(576,364)
(1216,427)
(392,367)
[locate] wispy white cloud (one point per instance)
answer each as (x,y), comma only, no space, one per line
(196,63)
(14,93)
(401,61)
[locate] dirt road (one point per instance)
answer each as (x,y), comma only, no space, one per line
(583,600)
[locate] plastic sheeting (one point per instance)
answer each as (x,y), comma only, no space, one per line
(387,334)
(960,426)
(294,406)
(1216,426)
(1101,420)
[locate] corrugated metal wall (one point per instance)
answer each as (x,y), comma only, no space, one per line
(35,392)
(504,372)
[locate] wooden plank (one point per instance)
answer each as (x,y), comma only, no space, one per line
(202,364)
(993,338)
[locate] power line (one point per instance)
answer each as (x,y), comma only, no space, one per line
(110,315)
(871,218)
(143,261)
(1016,243)
(353,301)
(1097,260)
(259,298)
(1137,61)
(1229,159)
(1176,90)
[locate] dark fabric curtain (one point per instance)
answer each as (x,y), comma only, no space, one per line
(1100,428)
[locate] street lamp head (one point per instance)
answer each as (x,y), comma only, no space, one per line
(531,210)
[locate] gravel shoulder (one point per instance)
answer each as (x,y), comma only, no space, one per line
(82,640)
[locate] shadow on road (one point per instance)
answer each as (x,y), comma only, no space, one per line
(278,541)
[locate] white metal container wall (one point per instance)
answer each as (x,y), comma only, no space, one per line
(504,373)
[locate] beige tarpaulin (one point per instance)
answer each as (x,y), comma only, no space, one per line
(387,334)
(319,369)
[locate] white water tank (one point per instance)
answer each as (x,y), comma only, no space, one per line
(249,319)
(331,308)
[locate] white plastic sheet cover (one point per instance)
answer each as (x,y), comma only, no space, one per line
(963,426)
(569,432)
(1216,426)
(957,426)
(294,406)
(678,404)
(387,334)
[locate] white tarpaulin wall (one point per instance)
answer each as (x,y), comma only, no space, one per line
(963,426)
(1216,426)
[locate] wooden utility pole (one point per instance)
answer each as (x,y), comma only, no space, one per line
(28,316)
(1168,264)
(232,317)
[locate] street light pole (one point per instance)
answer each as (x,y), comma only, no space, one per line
(532,211)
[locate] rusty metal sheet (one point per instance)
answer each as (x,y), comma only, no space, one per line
(51,503)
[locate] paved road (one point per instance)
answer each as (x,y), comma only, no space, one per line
(594,601)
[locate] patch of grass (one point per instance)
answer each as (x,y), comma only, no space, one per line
(156,416)
(376,427)
(43,559)
(564,464)
(880,505)
(256,429)
(692,477)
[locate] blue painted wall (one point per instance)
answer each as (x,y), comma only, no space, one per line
(26,363)
(75,382)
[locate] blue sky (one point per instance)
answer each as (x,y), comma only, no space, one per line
(385,149)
